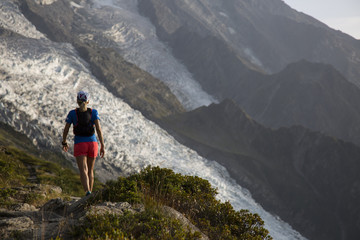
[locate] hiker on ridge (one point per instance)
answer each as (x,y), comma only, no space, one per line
(86,145)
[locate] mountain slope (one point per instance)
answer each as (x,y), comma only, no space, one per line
(13,139)
(312,95)
(230,47)
(306,178)
(267,34)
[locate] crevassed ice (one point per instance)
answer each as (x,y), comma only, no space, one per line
(12,19)
(45,2)
(134,36)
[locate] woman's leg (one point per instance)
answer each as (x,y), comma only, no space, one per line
(90,165)
(83,168)
(92,153)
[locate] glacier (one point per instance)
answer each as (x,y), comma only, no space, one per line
(39,80)
(135,38)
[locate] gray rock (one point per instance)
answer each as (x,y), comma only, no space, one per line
(23,207)
(172,213)
(113,208)
(21,226)
(56,205)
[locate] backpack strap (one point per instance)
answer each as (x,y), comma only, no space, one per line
(77,117)
(90,111)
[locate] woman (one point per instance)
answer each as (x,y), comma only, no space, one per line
(86,146)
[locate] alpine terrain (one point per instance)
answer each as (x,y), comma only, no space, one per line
(260,100)
(233,47)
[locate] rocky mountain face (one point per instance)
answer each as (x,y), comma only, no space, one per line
(308,179)
(267,34)
(231,47)
(315,96)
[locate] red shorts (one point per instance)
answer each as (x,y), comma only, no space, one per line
(89,149)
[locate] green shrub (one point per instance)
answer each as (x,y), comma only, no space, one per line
(192,196)
(33,198)
(122,190)
(149,224)
(6,194)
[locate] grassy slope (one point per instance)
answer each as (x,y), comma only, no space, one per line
(10,137)
(22,164)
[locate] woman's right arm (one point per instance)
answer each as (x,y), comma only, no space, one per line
(65,146)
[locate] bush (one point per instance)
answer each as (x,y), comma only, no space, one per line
(192,196)
(122,190)
(149,224)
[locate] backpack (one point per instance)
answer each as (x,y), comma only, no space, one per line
(84,127)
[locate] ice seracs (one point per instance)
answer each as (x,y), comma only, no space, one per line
(135,37)
(12,19)
(75,5)
(45,2)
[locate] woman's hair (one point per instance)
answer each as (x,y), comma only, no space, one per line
(81,102)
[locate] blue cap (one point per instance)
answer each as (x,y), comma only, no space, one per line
(82,96)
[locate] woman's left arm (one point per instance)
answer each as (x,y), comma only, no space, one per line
(101,139)
(65,146)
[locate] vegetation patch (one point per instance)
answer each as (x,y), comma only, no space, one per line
(12,171)
(28,179)
(149,224)
(192,196)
